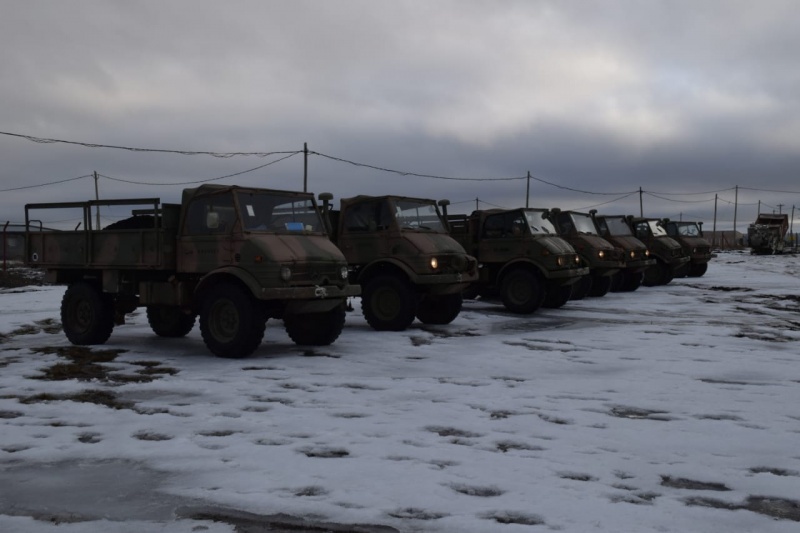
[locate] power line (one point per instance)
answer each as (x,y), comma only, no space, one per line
(678,201)
(404,173)
(45,184)
(223,155)
(582,191)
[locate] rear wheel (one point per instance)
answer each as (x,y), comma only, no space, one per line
(169,321)
(231,322)
(87,314)
(388,303)
(441,309)
(600,286)
(315,329)
(522,291)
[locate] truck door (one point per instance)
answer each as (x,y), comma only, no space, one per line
(501,237)
(364,234)
(207,239)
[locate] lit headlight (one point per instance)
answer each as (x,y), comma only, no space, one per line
(633,254)
(577,260)
(694,250)
(647,253)
(601,254)
(561,261)
(344,272)
(286,273)
(434,263)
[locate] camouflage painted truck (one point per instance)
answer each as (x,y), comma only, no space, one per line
(767,234)
(670,258)
(235,256)
(615,229)
(690,236)
(522,259)
(399,251)
(602,258)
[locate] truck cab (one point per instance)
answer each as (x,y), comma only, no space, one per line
(668,253)
(690,236)
(616,230)
(399,250)
(521,257)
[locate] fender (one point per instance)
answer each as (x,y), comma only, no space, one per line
(242,275)
(389,262)
(519,262)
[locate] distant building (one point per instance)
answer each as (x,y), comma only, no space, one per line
(725,240)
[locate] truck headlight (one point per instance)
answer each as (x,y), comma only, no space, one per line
(561,261)
(633,254)
(601,254)
(577,260)
(434,263)
(286,273)
(344,272)
(647,253)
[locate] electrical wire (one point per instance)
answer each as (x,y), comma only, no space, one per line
(45,184)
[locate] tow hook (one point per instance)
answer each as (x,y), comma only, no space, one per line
(320,292)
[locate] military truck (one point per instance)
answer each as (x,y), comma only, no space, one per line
(399,251)
(766,235)
(690,236)
(615,229)
(235,256)
(669,256)
(602,258)
(521,257)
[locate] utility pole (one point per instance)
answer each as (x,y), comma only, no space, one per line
(735,209)
(97,197)
(641,208)
(714,238)
(779,208)
(305,167)
(476,204)
(528,190)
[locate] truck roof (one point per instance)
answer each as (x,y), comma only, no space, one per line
(209,188)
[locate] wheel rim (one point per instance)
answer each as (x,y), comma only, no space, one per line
(224,320)
(520,291)
(83,316)
(386,303)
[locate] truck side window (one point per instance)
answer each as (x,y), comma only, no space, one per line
(642,230)
(367,216)
(494,226)
(198,221)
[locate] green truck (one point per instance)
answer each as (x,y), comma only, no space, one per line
(235,256)
(602,258)
(616,230)
(521,257)
(690,236)
(668,253)
(399,251)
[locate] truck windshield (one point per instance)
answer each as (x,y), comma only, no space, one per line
(688,229)
(583,223)
(538,223)
(657,229)
(278,213)
(617,226)
(418,215)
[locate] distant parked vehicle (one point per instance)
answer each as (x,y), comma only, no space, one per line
(669,256)
(616,230)
(690,236)
(766,235)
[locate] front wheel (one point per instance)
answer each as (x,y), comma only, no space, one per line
(439,310)
(169,321)
(522,291)
(658,274)
(231,322)
(315,329)
(557,296)
(695,271)
(388,303)
(600,286)
(633,280)
(87,314)
(582,288)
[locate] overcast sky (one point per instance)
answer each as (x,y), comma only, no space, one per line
(685,99)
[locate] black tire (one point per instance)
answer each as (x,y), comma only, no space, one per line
(168,321)
(582,288)
(557,296)
(658,274)
(315,329)
(633,280)
(619,280)
(470,293)
(87,314)
(522,291)
(439,310)
(231,322)
(600,286)
(695,271)
(388,303)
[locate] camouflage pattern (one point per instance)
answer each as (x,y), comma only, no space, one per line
(615,229)
(163,257)
(402,233)
(766,235)
(506,238)
(690,236)
(580,230)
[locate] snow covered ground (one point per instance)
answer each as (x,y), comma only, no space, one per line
(674,408)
